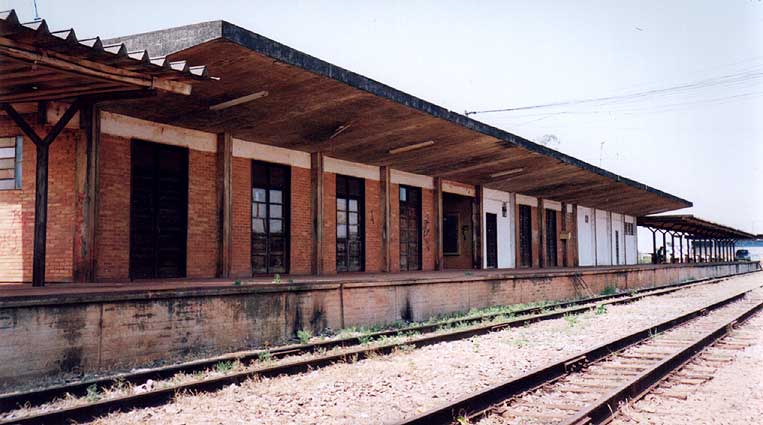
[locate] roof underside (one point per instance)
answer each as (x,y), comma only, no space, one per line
(38,64)
(312,106)
(692,225)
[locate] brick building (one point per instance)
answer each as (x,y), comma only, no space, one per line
(145,189)
(285,164)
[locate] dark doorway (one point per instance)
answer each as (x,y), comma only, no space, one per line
(491,240)
(617,247)
(551,257)
(270,218)
(349,224)
(525,236)
(458,231)
(410,228)
(158,210)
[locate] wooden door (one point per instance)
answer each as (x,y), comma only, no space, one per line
(349,224)
(270,218)
(158,210)
(525,236)
(551,244)
(410,228)
(491,240)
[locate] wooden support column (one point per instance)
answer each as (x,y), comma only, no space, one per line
(41,183)
(541,233)
(225,202)
(316,161)
(86,188)
(385,176)
(439,257)
(477,212)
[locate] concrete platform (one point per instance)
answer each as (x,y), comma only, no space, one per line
(83,328)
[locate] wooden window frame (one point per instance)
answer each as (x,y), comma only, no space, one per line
(285,216)
(17,157)
(361,220)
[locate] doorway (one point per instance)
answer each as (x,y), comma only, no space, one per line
(158,210)
(491,240)
(525,236)
(552,259)
(410,228)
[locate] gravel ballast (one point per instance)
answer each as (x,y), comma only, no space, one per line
(733,396)
(390,388)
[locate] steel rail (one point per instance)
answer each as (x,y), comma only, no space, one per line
(156,397)
(604,409)
(477,404)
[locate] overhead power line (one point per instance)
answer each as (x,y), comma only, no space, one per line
(740,79)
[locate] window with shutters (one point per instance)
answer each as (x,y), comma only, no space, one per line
(10,163)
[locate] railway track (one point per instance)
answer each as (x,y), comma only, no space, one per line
(590,387)
(91,410)
(690,377)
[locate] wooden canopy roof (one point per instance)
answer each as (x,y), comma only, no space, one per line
(38,64)
(308,104)
(694,226)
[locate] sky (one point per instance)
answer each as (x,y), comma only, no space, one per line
(701,138)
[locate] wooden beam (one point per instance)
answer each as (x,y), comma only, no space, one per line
(316,161)
(477,212)
(86,187)
(89,68)
(238,101)
(225,202)
(63,92)
(41,182)
(439,258)
(386,178)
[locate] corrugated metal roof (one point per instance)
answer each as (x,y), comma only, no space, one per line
(39,35)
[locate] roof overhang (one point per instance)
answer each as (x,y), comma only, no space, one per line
(691,225)
(307,104)
(37,64)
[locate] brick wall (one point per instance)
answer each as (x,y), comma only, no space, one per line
(100,336)
(241,223)
(203,218)
(329,223)
(113,222)
(427,229)
(17,211)
(373,223)
(301,222)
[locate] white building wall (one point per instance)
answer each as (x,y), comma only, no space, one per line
(603,241)
(586,246)
(494,204)
(618,239)
(631,242)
